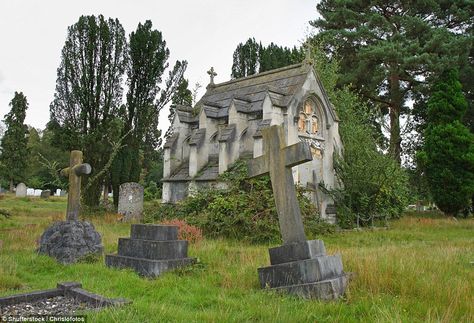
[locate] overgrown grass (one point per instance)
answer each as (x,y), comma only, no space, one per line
(418,270)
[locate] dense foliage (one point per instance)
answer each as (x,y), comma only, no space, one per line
(89,94)
(148,59)
(391,50)
(245,210)
(14,149)
(372,186)
(448,153)
(44,161)
(252,57)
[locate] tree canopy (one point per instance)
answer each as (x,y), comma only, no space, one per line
(253,57)
(148,60)
(14,155)
(89,93)
(391,51)
(448,152)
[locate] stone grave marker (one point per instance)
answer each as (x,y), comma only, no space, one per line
(70,240)
(37,192)
(30,191)
(20,190)
(151,250)
(45,194)
(130,203)
(299,266)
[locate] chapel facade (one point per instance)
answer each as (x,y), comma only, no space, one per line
(226,124)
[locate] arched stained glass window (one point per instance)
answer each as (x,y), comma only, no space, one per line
(308,121)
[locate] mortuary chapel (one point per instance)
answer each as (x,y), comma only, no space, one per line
(226,125)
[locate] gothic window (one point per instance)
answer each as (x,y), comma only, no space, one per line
(308,121)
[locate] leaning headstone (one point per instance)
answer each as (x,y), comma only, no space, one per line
(70,240)
(299,266)
(21,190)
(45,194)
(151,250)
(130,203)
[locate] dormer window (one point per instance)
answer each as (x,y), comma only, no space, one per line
(308,121)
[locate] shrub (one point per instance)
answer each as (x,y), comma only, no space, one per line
(245,210)
(151,192)
(186,231)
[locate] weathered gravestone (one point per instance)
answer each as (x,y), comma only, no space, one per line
(299,266)
(130,203)
(70,240)
(45,194)
(20,190)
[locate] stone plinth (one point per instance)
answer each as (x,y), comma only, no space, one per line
(130,203)
(151,250)
(304,269)
(69,241)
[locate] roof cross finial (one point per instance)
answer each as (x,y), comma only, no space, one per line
(308,49)
(212,74)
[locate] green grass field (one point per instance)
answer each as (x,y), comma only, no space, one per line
(419,270)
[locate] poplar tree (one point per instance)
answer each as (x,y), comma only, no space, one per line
(251,58)
(89,94)
(148,61)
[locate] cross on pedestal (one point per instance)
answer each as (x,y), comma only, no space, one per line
(212,74)
(75,170)
(278,160)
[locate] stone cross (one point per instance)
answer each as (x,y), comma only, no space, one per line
(75,170)
(278,160)
(212,74)
(308,48)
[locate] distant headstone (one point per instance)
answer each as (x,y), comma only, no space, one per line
(45,194)
(58,192)
(21,190)
(70,240)
(37,192)
(63,193)
(30,192)
(299,267)
(130,203)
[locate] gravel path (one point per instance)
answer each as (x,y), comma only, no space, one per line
(59,305)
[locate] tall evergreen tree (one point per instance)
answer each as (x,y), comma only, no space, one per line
(246,59)
(148,60)
(89,93)
(182,96)
(252,57)
(14,155)
(448,154)
(391,50)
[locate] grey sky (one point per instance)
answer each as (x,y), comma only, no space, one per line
(205,33)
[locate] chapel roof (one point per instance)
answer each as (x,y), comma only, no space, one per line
(249,92)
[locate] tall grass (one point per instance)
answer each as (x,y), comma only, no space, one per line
(417,271)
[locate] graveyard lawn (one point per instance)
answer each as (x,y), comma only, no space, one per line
(418,270)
